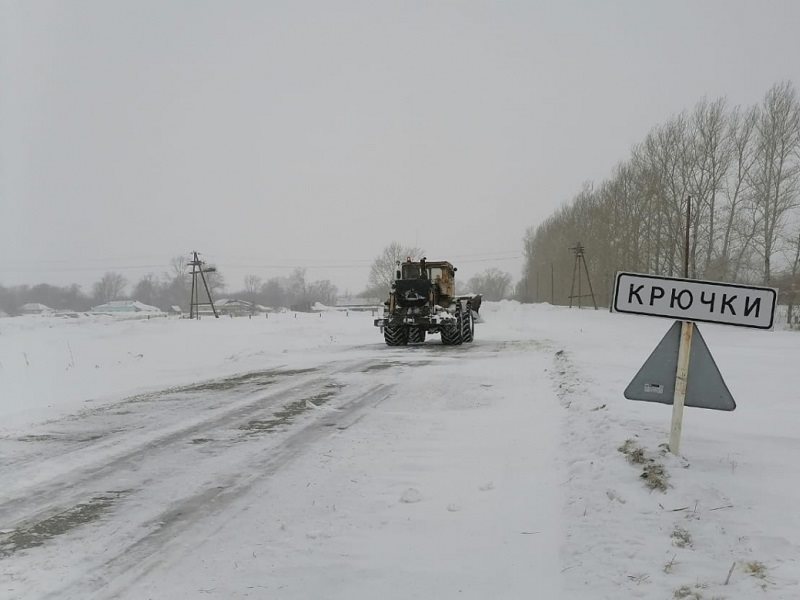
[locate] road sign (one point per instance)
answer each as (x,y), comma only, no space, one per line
(695,300)
(655,381)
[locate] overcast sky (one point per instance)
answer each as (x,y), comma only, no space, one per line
(272,134)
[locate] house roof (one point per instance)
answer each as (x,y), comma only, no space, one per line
(34,306)
(232,302)
(125,306)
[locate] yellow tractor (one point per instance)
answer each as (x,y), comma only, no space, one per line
(423,300)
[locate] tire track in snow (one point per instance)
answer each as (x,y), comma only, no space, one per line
(88,471)
(170,528)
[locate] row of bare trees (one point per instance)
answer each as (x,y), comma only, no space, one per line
(165,290)
(740,167)
(293,292)
(171,288)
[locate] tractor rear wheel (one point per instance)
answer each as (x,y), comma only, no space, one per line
(467,326)
(395,335)
(451,331)
(416,335)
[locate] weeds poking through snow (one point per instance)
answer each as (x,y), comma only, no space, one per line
(668,567)
(655,477)
(687,592)
(639,578)
(632,451)
(653,473)
(756,569)
(681,537)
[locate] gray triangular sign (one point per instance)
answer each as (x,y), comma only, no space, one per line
(655,381)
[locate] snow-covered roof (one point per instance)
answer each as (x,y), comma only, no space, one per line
(125,306)
(34,306)
(232,302)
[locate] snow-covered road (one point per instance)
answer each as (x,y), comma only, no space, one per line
(299,457)
(355,478)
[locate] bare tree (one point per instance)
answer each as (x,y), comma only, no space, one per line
(794,244)
(492,283)
(252,285)
(297,290)
(147,289)
(110,287)
(382,271)
(179,268)
(322,291)
(273,293)
(775,176)
(712,155)
(741,128)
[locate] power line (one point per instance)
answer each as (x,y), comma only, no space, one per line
(236,268)
(97,268)
(284,265)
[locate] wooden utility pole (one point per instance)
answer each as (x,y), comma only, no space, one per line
(579,251)
(198,268)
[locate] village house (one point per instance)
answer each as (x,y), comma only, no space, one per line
(35,308)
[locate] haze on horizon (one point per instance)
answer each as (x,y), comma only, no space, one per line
(275,135)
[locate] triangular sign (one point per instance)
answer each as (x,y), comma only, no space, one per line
(655,381)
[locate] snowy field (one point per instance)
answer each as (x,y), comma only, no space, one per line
(300,457)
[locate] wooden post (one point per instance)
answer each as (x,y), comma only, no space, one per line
(684,352)
(681,379)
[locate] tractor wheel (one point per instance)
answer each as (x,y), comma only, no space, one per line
(416,335)
(395,335)
(451,333)
(467,326)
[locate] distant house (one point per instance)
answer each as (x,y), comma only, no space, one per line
(358,303)
(34,308)
(175,310)
(232,307)
(126,307)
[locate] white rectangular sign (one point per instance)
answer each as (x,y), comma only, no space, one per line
(695,300)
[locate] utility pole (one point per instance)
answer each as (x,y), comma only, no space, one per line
(579,251)
(198,268)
